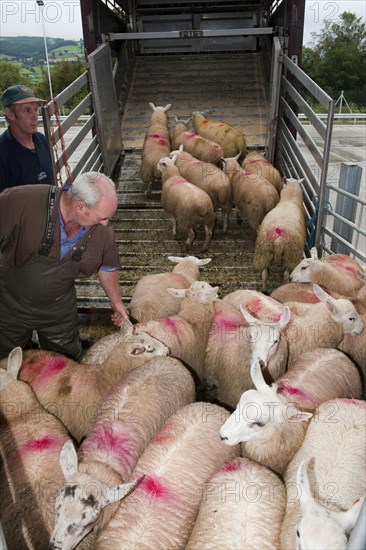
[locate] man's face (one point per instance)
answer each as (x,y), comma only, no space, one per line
(24,117)
(99,215)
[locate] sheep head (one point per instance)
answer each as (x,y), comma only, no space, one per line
(342,310)
(14,363)
(192,259)
(80,502)
(259,412)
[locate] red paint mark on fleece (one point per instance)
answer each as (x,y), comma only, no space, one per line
(179,180)
(225,323)
(189,137)
(357,402)
(42,444)
(277,233)
(166,434)
(196,163)
(159,138)
(231,467)
(45,369)
(245,173)
(170,324)
(106,440)
(155,487)
(254,306)
(296,392)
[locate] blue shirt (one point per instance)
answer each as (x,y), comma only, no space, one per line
(22,166)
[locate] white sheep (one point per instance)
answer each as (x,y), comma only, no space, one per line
(71,390)
(253,195)
(30,475)
(337,272)
(319,527)
(231,140)
(281,236)
(355,348)
(186,333)
(198,146)
(123,425)
(271,420)
(334,451)
(156,146)
(186,204)
(150,299)
(323,324)
(174,468)
(256,163)
(299,292)
(243,506)
(256,303)
(232,345)
(209,178)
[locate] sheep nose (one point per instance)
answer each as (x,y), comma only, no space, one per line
(223,438)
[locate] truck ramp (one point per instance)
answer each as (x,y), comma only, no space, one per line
(232,87)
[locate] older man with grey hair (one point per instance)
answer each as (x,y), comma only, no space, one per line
(50,236)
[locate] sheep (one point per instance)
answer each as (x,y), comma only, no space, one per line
(338,273)
(209,178)
(243,506)
(175,467)
(323,324)
(256,163)
(89,495)
(334,451)
(231,140)
(186,333)
(256,303)
(253,195)
(198,146)
(318,526)
(130,416)
(232,345)
(299,292)
(281,236)
(71,390)
(30,476)
(185,203)
(355,348)
(156,146)
(150,299)
(271,420)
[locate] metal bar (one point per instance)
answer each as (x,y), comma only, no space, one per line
(359,200)
(250,31)
(84,130)
(275,96)
(350,247)
(93,146)
(47,132)
(310,85)
(344,220)
(73,117)
(66,94)
(308,111)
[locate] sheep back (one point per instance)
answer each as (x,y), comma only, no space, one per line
(231,140)
(256,163)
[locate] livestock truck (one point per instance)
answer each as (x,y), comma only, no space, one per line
(238,61)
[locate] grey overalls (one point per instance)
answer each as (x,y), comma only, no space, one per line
(41,296)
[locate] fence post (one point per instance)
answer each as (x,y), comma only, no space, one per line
(349,180)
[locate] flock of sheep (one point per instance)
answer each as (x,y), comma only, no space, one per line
(206,423)
(211,170)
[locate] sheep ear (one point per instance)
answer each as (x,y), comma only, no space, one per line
(181,148)
(167,107)
(303,483)
(324,297)
(314,253)
(175,259)
(257,377)
(204,261)
(247,316)
(152,106)
(348,519)
(114,494)
(126,328)
(285,318)
(238,156)
(14,363)
(177,292)
(68,460)
(295,415)
(361,275)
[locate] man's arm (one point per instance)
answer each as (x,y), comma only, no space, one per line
(110,283)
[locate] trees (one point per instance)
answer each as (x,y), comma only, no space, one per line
(338,59)
(62,75)
(10,75)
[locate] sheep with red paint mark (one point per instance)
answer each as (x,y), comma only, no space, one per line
(30,476)
(299,292)
(332,460)
(253,195)
(72,390)
(256,163)
(281,236)
(156,146)
(355,348)
(123,425)
(150,299)
(186,204)
(243,506)
(186,333)
(271,421)
(336,272)
(231,139)
(174,470)
(198,146)
(209,178)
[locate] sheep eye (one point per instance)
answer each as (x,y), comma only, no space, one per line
(352,319)
(297,533)
(304,267)
(259,424)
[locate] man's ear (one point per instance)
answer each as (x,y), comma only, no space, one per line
(9,113)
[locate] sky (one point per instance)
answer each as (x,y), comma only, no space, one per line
(62,17)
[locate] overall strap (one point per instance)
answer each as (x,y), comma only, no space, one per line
(50,225)
(78,252)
